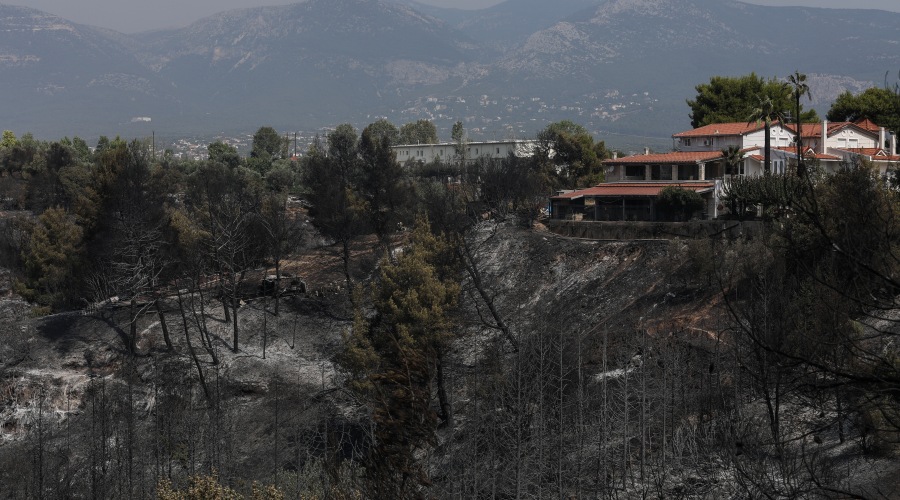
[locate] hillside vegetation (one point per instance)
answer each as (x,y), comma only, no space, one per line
(341,327)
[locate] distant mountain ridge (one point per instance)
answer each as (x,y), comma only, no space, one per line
(618,66)
(59,70)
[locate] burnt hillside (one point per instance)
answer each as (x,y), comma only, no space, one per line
(579,368)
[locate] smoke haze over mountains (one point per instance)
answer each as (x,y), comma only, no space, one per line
(133,16)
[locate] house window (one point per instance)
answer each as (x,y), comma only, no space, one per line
(498,150)
(686,141)
(661,173)
(634,171)
(688,172)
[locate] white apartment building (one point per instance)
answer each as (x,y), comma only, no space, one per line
(446,151)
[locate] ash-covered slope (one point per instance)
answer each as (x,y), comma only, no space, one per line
(623,352)
(540,281)
(70,377)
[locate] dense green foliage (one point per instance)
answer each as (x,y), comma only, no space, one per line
(268,144)
(418,132)
(570,158)
(395,358)
(732,99)
(679,202)
(53,260)
(384,129)
(225,154)
(880,105)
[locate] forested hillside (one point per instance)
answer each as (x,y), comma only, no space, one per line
(341,326)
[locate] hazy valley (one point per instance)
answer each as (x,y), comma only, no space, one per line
(621,68)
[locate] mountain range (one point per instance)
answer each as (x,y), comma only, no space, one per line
(623,68)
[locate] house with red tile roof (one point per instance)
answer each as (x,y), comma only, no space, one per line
(622,201)
(838,143)
(697,163)
(882,159)
(840,135)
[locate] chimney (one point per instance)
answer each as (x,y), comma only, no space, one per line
(882,139)
(615,155)
(646,151)
(894,144)
(824,149)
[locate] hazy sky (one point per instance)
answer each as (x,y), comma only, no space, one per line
(131,16)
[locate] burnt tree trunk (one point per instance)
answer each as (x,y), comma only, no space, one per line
(193,353)
(132,337)
(163,325)
(446,410)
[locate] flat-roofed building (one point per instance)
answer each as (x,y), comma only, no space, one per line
(447,151)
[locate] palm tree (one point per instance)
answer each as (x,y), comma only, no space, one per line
(798,81)
(766,112)
(732,156)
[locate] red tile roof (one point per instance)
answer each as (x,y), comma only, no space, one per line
(866,151)
(714,129)
(809,129)
(820,156)
(793,150)
(867,124)
(807,153)
(678,157)
(876,154)
(812,130)
(633,189)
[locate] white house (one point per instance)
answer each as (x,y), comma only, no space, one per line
(446,151)
(698,162)
(830,143)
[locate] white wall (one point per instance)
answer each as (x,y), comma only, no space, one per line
(445,152)
(715,143)
(780,137)
(851,138)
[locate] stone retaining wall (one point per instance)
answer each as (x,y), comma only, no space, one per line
(595,230)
